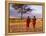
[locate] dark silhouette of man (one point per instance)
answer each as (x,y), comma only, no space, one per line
(28,22)
(34,22)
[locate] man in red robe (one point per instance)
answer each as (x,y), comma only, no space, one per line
(27,23)
(34,22)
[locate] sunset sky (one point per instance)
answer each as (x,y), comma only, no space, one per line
(36,12)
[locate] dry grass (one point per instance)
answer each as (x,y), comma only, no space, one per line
(18,25)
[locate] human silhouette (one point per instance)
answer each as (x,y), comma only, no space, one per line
(34,22)
(27,22)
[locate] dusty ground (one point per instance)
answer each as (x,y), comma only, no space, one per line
(20,26)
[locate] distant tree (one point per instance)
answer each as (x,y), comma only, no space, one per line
(21,8)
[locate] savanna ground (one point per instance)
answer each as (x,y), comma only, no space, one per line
(18,25)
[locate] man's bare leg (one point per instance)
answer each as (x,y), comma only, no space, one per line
(26,29)
(34,28)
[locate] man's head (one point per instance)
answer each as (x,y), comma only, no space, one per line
(28,17)
(34,17)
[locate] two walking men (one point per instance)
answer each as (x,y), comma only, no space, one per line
(33,22)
